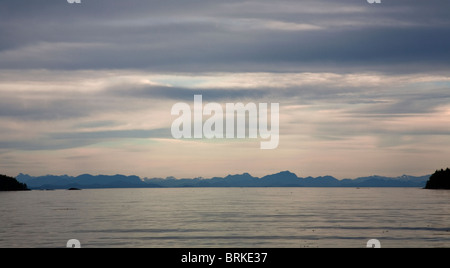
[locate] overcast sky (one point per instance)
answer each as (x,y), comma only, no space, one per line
(88,88)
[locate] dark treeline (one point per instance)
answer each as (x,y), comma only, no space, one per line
(11,184)
(439,180)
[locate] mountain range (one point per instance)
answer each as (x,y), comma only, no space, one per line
(282,179)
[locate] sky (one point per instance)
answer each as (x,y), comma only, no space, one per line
(363,89)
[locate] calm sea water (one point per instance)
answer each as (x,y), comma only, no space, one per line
(226,217)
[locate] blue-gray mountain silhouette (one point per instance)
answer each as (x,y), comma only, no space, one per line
(85,181)
(282,179)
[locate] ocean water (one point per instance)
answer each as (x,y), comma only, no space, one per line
(226,217)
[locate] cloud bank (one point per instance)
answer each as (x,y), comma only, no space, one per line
(363,89)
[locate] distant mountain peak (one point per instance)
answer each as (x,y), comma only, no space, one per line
(286,172)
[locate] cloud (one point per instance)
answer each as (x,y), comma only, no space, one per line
(354,81)
(119,105)
(113,134)
(229,36)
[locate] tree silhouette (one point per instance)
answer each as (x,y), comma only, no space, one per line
(439,180)
(11,184)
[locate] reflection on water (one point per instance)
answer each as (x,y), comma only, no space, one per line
(226,217)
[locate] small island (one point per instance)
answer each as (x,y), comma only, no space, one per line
(11,184)
(439,180)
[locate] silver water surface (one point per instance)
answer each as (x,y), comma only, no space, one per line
(226,217)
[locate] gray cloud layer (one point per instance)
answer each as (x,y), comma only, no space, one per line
(200,35)
(350,77)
